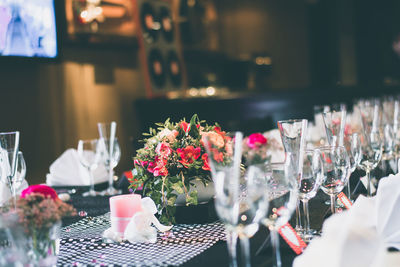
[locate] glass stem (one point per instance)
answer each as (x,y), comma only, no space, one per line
(91,190)
(110,178)
(13,190)
(333,204)
(348,188)
(275,245)
(369,182)
(231,240)
(298,217)
(306,217)
(245,247)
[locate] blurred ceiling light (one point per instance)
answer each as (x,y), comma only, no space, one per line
(210,91)
(191,3)
(263,61)
(193,92)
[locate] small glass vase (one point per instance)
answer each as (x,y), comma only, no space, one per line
(42,245)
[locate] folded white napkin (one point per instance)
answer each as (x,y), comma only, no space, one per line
(361,235)
(5,192)
(388,210)
(349,239)
(68,170)
(139,228)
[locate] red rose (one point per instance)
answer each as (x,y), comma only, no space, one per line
(256,140)
(188,154)
(205,167)
(45,190)
(185,126)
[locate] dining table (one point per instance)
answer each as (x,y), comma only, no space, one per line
(197,239)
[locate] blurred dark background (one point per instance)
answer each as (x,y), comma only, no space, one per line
(248,64)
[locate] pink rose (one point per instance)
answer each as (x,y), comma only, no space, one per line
(158,167)
(214,138)
(256,140)
(45,190)
(164,150)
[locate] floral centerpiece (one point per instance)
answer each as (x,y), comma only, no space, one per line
(172,159)
(38,213)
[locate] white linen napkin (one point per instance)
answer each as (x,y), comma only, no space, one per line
(67,170)
(5,192)
(361,235)
(388,210)
(349,239)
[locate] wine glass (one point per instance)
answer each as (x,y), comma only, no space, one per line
(89,155)
(111,151)
(293,135)
(9,145)
(20,172)
(335,121)
(371,139)
(241,199)
(310,182)
(319,120)
(352,144)
(336,166)
(283,197)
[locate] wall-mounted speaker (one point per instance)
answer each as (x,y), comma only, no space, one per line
(159,47)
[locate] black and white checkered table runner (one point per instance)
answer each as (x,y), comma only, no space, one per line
(82,245)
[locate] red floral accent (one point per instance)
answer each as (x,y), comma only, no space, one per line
(45,190)
(205,167)
(185,126)
(188,154)
(256,140)
(218,156)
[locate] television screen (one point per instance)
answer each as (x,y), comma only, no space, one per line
(28,28)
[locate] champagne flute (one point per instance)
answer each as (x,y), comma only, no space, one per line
(283,194)
(111,151)
(241,199)
(336,166)
(293,135)
(89,155)
(335,121)
(20,172)
(310,182)
(353,146)
(9,145)
(371,139)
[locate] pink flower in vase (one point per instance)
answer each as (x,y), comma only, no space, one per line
(256,140)
(45,190)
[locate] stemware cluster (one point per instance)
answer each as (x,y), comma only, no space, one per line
(248,195)
(105,150)
(12,163)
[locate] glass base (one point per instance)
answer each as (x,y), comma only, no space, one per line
(307,237)
(90,194)
(110,192)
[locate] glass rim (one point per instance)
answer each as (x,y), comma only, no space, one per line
(329,147)
(106,123)
(291,121)
(11,132)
